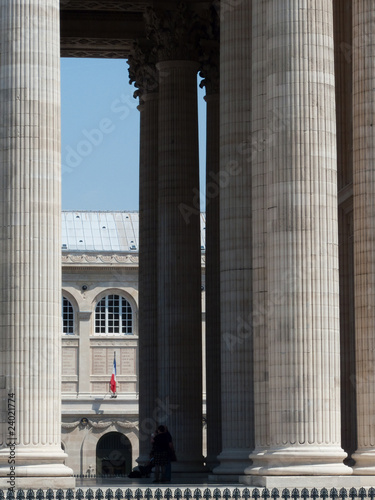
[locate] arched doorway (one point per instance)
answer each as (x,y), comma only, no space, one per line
(113,455)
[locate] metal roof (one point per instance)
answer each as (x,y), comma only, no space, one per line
(105,231)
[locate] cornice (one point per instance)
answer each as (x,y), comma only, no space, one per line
(99,33)
(95,259)
(82,259)
(109,48)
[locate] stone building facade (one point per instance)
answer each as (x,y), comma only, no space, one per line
(290,222)
(100,259)
(100,432)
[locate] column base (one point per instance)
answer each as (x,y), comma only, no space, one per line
(303,460)
(233,462)
(318,482)
(364,462)
(37,476)
(31,467)
(38,482)
(212,462)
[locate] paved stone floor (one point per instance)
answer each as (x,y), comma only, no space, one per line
(176,482)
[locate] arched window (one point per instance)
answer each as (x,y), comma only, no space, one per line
(67,317)
(113,315)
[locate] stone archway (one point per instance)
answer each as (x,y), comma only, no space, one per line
(113,455)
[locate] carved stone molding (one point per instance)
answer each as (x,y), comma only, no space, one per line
(111,5)
(126,425)
(70,425)
(110,48)
(129,260)
(98,54)
(100,424)
(96,42)
(175,33)
(103,424)
(95,259)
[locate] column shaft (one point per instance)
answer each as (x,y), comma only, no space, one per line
(148,301)
(179,261)
(30,241)
(235,240)
(301,248)
(342,15)
(261,139)
(213,359)
(364,234)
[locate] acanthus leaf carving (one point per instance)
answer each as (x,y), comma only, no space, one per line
(175,33)
(142,68)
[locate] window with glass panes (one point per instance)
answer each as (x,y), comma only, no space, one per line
(67,317)
(113,315)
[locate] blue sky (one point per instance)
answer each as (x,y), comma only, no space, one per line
(100,136)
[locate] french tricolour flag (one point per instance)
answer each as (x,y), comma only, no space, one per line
(113,378)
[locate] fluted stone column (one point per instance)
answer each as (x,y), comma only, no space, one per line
(263,128)
(179,259)
(342,16)
(179,283)
(301,247)
(364,234)
(236,241)
(210,72)
(148,223)
(30,245)
(143,72)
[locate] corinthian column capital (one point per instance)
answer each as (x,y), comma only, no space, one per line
(175,33)
(210,67)
(210,56)
(142,69)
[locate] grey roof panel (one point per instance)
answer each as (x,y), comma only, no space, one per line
(105,231)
